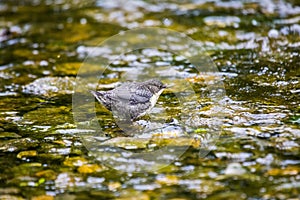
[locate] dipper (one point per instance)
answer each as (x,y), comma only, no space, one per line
(131,100)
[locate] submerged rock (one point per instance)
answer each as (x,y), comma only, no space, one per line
(235,169)
(51,86)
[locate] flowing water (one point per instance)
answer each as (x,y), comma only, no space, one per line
(242,143)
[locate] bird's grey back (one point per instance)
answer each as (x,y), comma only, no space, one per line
(131,98)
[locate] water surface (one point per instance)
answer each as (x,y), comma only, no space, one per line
(255,46)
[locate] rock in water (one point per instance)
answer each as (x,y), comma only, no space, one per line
(50,86)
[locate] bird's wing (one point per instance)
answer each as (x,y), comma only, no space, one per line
(132,95)
(122,94)
(142,95)
(137,99)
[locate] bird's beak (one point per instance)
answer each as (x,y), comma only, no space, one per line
(168,86)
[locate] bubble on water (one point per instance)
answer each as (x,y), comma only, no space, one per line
(234,169)
(273,33)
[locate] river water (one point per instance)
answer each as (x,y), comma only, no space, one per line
(227,126)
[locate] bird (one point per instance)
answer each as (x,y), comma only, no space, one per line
(131,100)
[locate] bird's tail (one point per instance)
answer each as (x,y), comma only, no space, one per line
(101,96)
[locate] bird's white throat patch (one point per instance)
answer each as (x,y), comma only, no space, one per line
(154,98)
(153,101)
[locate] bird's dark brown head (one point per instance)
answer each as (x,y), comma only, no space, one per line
(155,85)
